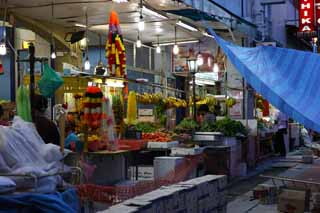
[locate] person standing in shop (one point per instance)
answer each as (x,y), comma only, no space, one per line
(46,128)
(282,126)
(204,114)
(2,121)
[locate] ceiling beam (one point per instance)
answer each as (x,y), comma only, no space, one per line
(44,30)
(58,4)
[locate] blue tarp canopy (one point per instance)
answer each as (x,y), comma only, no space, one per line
(289,79)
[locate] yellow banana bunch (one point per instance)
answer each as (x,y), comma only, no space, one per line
(210,101)
(170,102)
(147,98)
(230,102)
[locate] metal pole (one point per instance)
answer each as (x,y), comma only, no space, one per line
(194,96)
(31,61)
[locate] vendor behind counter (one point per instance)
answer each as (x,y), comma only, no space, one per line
(204,114)
(3,120)
(46,128)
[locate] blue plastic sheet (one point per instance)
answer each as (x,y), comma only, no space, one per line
(289,79)
(31,202)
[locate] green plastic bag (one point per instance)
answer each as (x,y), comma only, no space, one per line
(23,103)
(49,82)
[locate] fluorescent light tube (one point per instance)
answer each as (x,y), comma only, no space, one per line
(80,25)
(186,26)
(207,35)
(178,42)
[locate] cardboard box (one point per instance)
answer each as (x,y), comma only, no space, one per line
(293,201)
(267,194)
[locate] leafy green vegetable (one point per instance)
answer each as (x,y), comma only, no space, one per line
(160,113)
(187,125)
(146,127)
(227,126)
(208,126)
(230,128)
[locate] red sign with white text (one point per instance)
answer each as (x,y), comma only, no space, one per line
(317,7)
(306,16)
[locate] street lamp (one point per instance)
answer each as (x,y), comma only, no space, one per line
(193,68)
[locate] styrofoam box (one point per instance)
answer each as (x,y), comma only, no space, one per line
(179,196)
(121,209)
(222,182)
(198,195)
(186,151)
(207,185)
(161,200)
(141,205)
(162,145)
(213,201)
(144,172)
(136,203)
(222,209)
(153,196)
(222,198)
(164,165)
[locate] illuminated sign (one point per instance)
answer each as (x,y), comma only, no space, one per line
(317,12)
(306,16)
(26,44)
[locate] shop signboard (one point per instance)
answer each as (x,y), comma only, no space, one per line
(317,8)
(180,64)
(208,77)
(306,16)
(236,110)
